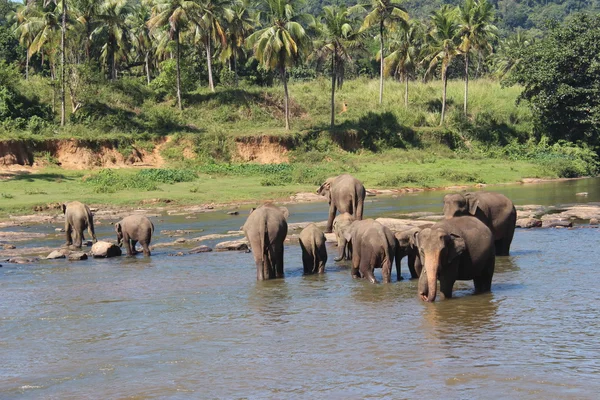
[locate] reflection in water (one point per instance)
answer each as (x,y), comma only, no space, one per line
(271,300)
(505,264)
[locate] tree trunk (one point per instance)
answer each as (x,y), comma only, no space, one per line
(211,84)
(27,66)
(381,27)
(406,90)
(478,64)
(63,111)
(235,69)
(285,99)
(178,74)
(148,67)
(444,83)
(466,82)
(333,79)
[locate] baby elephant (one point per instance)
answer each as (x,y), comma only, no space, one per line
(133,229)
(78,218)
(341,224)
(314,253)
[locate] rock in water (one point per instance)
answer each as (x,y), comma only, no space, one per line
(200,249)
(528,223)
(77,256)
(105,249)
(232,245)
(55,254)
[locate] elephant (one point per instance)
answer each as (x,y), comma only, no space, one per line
(459,248)
(78,217)
(341,224)
(373,246)
(345,193)
(314,253)
(133,229)
(407,248)
(266,229)
(493,209)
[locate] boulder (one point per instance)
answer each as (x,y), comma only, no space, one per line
(529,223)
(200,249)
(556,223)
(77,256)
(102,249)
(22,260)
(232,245)
(9,246)
(60,229)
(178,254)
(594,221)
(55,255)
(181,240)
(232,213)
(398,225)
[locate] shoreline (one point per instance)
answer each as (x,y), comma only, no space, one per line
(160,206)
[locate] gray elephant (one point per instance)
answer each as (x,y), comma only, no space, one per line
(341,224)
(373,246)
(460,248)
(408,248)
(133,229)
(493,209)
(266,229)
(345,193)
(78,218)
(314,253)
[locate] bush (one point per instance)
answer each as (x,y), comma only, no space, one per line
(108,181)
(165,84)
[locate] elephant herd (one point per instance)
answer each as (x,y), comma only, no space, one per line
(476,228)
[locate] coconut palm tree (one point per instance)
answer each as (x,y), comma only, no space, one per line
(476,30)
(140,35)
(405,48)
(25,29)
(113,29)
(280,44)
(337,37)
(240,23)
(86,12)
(443,41)
(209,30)
(386,15)
(509,53)
(175,15)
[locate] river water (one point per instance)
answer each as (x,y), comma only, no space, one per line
(200,326)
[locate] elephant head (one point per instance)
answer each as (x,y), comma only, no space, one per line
(438,249)
(325,188)
(457,204)
(119,231)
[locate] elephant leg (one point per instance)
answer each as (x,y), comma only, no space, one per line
(332,211)
(307,260)
(358,212)
(91,231)
(78,238)
(260,275)
(68,234)
(411,266)
(341,250)
(279,260)
(321,269)
(133,244)
(367,264)
(448,278)
(145,247)
(502,246)
(127,242)
(386,271)
(483,283)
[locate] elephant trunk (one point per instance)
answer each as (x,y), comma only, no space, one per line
(431,268)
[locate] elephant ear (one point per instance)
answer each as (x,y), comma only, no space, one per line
(325,188)
(252,210)
(118,227)
(413,240)
(473,204)
(64,208)
(456,248)
(285,212)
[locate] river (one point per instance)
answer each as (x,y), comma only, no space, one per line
(200,326)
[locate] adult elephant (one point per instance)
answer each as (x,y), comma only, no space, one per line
(460,248)
(373,246)
(78,218)
(266,229)
(133,229)
(345,194)
(493,209)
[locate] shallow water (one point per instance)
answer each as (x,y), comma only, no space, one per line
(200,326)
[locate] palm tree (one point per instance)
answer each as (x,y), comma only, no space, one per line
(140,35)
(209,30)
(112,15)
(337,36)
(174,14)
(443,42)
(509,53)
(385,14)
(25,29)
(280,44)
(86,11)
(405,53)
(239,25)
(476,31)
